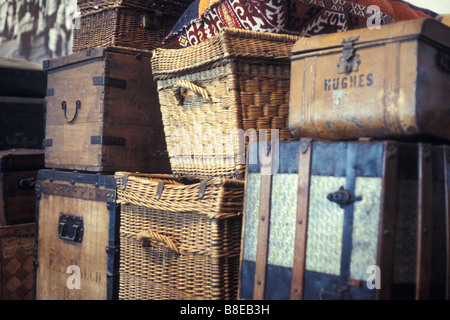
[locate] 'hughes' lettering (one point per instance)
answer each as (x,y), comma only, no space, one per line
(354,81)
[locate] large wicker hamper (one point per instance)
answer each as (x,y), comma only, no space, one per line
(215,94)
(125,23)
(179,241)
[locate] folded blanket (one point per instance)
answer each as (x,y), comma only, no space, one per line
(205,18)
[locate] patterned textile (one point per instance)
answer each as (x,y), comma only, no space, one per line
(205,18)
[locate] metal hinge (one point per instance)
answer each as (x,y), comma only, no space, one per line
(109,82)
(159,190)
(38,189)
(152,20)
(47,143)
(108,141)
(111,249)
(305,143)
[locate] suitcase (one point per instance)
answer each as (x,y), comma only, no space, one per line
(179,240)
(22,78)
(77,236)
(346,220)
(103,113)
(18,172)
(383,83)
(16,261)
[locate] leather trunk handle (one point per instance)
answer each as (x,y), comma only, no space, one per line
(64,108)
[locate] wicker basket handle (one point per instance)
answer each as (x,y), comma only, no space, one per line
(190,86)
(164,240)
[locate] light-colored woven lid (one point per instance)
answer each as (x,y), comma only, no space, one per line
(230,43)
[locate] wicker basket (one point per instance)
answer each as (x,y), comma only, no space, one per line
(214,93)
(173,7)
(125,23)
(179,241)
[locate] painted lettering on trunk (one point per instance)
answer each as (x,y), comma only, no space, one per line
(349,82)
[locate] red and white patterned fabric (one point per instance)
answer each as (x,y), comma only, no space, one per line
(205,18)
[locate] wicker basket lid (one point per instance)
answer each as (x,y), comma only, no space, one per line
(167,6)
(215,198)
(230,43)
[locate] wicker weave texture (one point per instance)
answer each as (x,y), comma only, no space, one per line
(171,252)
(216,94)
(121,27)
(168,6)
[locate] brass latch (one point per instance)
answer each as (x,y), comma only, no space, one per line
(349,61)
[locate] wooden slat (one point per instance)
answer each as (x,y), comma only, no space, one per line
(447,219)
(244,220)
(424,230)
(388,214)
(262,246)
(304,179)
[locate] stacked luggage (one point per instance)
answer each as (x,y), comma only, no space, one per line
(358,207)
(102,116)
(251,165)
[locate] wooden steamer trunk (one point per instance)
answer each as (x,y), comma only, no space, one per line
(22,104)
(16,261)
(77,241)
(218,93)
(179,241)
(346,220)
(18,172)
(103,113)
(385,83)
(125,23)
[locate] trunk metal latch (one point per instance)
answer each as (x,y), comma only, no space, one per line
(343,197)
(349,61)
(70,228)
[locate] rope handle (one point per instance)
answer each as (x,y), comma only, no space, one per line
(162,239)
(190,86)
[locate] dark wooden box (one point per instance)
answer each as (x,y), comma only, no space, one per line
(18,172)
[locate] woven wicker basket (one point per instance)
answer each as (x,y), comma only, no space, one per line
(125,23)
(179,241)
(212,93)
(174,7)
